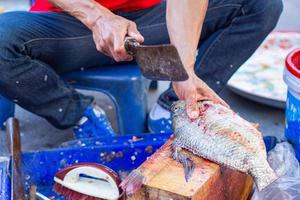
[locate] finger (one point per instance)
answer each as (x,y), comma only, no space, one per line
(192,107)
(130,58)
(120,56)
(104,49)
(133,32)
(210,94)
(118,49)
(115,56)
(106,53)
(100,45)
(224,103)
(219,100)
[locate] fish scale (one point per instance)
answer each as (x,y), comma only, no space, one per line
(234,125)
(200,146)
(222,136)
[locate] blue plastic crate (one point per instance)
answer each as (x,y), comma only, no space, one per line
(122,154)
(4,178)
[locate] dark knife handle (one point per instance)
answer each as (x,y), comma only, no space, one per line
(131,45)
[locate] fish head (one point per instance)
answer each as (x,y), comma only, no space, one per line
(179,114)
(178,108)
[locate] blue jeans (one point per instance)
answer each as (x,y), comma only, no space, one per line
(35,48)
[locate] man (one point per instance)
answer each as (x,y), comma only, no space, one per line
(59,36)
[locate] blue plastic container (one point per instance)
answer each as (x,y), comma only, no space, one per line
(292,116)
(121,153)
(4,178)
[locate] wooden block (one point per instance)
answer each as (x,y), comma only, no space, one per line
(165,180)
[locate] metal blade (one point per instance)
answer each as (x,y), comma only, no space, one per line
(160,62)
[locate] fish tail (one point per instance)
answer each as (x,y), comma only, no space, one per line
(133,182)
(186,162)
(263,174)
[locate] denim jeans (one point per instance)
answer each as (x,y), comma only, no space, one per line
(36,48)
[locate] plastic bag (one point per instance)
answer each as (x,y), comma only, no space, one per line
(282,159)
(285,188)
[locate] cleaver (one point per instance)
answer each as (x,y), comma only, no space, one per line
(157,62)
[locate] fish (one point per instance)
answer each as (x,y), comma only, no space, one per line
(219,135)
(222,136)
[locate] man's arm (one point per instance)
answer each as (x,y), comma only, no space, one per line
(109,30)
(184,20)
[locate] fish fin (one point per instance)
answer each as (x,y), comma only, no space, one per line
(185,160)
(263,175)
(133,182)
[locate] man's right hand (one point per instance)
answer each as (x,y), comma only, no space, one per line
(109,34)
(109,30)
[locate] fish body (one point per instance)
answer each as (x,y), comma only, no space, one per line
(222,136)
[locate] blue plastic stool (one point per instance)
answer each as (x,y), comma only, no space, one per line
(7,109)
(123,84)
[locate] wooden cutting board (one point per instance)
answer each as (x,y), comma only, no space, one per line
(165,180)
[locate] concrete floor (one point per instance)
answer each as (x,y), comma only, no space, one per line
(38,134)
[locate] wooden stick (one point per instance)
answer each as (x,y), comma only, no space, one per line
(14,146)
(32,195)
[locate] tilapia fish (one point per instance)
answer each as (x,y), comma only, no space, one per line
(218,134)
(222,136)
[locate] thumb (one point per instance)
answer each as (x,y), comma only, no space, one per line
(192,108)
(133,32)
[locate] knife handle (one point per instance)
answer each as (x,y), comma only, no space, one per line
(131,45)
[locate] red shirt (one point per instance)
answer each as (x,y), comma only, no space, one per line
(113,5)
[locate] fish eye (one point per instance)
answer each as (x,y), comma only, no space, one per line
(175,108)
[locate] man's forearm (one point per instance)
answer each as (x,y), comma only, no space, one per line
(184,20)
(87,11)
(108,30)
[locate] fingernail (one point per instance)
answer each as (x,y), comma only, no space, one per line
(140,37)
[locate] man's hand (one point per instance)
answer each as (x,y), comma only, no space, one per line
(109,34)
(185,20)
(109,30)
(194,90)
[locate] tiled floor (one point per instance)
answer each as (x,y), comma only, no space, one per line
(36,133)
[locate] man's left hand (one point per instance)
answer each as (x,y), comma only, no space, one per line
(194,90)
